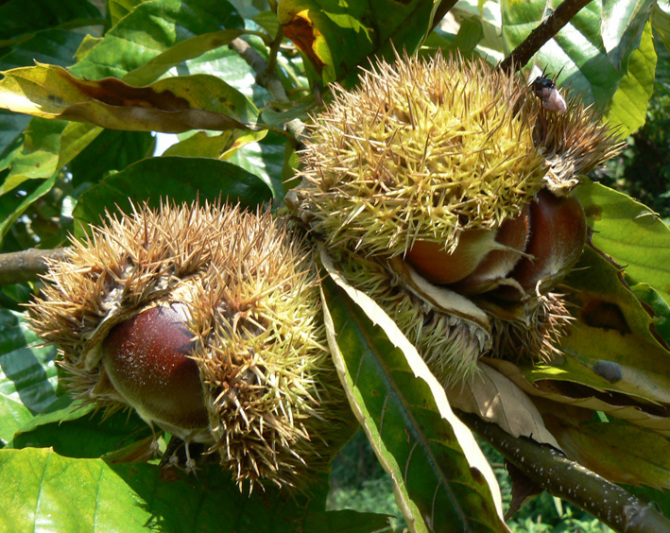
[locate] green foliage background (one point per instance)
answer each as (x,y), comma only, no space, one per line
(227,81)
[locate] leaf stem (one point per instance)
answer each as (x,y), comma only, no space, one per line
(17,267)
(542,33)
(558,475)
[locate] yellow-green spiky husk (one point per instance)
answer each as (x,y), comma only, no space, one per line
(420,150)
(450,345)
(276,407)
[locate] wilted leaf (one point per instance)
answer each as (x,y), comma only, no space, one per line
(494,398)
(554,383)
(619,452)
(180,179)
(630,232)
(442,481)
(169,105)
(336,37)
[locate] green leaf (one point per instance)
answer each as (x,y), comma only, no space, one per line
(169,105)
(629,104)
(38,156)
(576,51)
(265,158)
(13,415)
(18,17)
(45,491)
(180,179)
(149,30)
(622,25)
(620,452)
(117,9)
(53,46)
(442,481)
(81,431)
(661,22)
(631,233)
(10,211)
(112,150)
(180,52)
(27,374)
(11,127)
(336,37)
(230,66)
(648,295)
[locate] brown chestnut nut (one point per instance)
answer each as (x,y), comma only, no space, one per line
(557,237)
(146,359)
(480,253)
(513,233)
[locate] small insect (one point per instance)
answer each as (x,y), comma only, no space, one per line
(545,89)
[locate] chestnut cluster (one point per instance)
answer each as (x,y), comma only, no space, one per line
(525,255)
(206,320)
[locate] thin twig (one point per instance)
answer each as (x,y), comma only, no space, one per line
(540,35)
(440,12)
(558,475)
(268,79)
(17,267)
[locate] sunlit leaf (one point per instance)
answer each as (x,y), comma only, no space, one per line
(179,179)
(81,432)
(622,25)
(576,51)
(151,29)
(38,156)
(45,491)
(336,37)
(442,481)
(629,104)
(660,307)
(631,233)
(27,374)
(265,158)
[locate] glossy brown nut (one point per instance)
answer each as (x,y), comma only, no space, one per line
(146,359)
(557,237)
(513,233)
